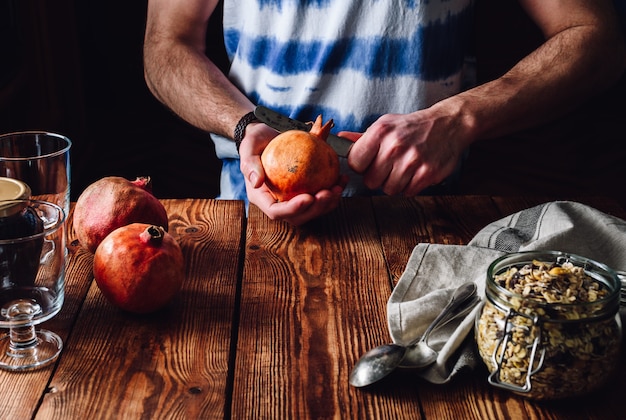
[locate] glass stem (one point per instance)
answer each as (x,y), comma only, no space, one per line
(23,338)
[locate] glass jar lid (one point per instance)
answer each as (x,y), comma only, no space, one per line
(12,189)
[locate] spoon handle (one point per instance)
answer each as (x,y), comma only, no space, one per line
(463,309)
(461,294)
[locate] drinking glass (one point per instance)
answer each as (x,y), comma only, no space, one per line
(41,160)
(32,281)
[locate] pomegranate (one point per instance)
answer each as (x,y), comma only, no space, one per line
(112,202)
(299,162)
(139,267)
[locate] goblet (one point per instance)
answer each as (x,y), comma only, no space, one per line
(32,281)
(41,160)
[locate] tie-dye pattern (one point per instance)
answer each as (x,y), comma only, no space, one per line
(349,61)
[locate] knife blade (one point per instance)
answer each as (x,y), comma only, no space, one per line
(283,123)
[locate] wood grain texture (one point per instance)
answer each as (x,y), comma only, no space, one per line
(270,322)
(313,301)
(174,362)
(406,222)
(20,392)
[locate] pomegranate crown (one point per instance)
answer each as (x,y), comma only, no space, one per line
(322,130)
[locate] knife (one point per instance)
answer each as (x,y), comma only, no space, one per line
(283,123)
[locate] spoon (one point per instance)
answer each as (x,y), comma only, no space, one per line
(384,359)
(419,354)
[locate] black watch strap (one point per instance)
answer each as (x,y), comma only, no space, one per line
(240,128)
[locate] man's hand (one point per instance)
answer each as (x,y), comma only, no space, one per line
(301,208)
(406,153)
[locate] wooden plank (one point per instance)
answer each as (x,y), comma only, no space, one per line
(405,222)
(313,300)
(20,392)
(173,363)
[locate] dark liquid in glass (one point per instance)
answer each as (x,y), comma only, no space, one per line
(19,260)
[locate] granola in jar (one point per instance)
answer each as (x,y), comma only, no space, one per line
(550,326)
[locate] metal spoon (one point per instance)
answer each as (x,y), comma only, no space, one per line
(382,360)
(419,354)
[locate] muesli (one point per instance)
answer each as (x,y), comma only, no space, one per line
(555,306)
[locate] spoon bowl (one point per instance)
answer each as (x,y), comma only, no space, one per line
(380,361)
(376,364)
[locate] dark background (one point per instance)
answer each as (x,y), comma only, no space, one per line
(75,67)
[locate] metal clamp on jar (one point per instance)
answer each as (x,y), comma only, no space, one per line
(550,325)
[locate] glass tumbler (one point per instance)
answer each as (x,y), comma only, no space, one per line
(42,161)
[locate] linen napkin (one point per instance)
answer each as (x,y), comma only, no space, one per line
(434,270)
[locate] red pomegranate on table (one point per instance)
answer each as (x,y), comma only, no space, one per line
(112,202)
(139,267)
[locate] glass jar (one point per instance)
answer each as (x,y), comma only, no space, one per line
(18,258)
(550,325)
(16,218)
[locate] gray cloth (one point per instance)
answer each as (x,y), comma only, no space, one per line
(433,271)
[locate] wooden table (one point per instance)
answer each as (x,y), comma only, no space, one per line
(270,322)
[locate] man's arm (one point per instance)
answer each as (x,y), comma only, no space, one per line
(180,75)
(583,54)
(178,72)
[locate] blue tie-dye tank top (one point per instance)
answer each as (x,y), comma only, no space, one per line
(351,61)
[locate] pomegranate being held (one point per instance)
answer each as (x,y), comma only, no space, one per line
(139,267)
(112,202)
(298,162)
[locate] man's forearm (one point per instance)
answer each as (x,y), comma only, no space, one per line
(549,82)
(194,88)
